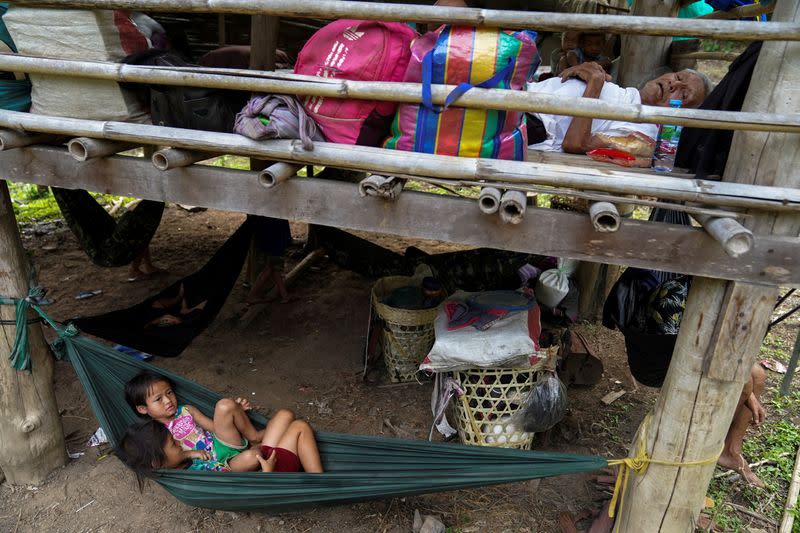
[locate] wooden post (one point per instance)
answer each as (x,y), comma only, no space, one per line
(263,48)
(724,322)
(31,438)
(641,54)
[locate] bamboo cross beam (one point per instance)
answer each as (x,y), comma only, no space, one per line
(393,162)
(286,83)
(333,9)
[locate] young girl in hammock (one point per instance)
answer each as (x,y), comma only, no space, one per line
(193,441)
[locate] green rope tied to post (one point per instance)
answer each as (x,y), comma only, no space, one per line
(20,353)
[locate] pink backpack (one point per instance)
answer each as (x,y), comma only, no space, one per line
(362,50)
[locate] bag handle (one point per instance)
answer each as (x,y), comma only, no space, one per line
(455,94)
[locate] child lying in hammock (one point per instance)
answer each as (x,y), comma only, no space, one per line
(193,441)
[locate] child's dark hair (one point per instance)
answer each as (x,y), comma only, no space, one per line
(137,387)
(142,448)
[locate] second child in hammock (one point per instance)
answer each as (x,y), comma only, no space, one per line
(227,443)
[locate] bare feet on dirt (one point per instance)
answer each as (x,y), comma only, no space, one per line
(738,464)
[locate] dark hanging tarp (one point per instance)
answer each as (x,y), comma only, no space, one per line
(211,284)
(356,467)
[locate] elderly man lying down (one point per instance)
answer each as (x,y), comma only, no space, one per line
(579,135)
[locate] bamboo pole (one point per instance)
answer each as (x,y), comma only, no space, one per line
(277,173)
(394,162)
(489,200)
(85,148)
(735,239)
(10,139)
(605,217)
(791,498)
(593,195)
(333,9)
(169,158)
(751,10)
(283,83)
(512,206)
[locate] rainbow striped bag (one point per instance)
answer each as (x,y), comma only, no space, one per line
(467,57)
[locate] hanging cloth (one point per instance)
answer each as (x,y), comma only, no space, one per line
(204,291)
(108,242)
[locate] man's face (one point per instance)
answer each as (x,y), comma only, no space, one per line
(683,85)
(593,45)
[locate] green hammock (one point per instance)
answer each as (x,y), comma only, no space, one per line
(356,467)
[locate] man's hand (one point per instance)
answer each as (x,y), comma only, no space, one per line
(244,403)
(268,464)
(759,413)
(591,73)
(202,455)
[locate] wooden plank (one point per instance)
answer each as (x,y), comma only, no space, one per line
(418,215)
(334,9)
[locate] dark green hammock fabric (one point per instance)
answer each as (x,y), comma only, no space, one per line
(356,467)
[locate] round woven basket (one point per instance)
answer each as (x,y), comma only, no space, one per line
(492,396)
(408,335)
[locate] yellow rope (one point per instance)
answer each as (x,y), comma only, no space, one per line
(638,464)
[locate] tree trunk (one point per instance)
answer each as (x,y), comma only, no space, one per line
(31,438)
(642,54)
(724,322)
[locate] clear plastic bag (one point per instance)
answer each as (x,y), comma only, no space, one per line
(544,407)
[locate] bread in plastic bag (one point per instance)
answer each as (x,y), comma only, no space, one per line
(632,149)
(544,406)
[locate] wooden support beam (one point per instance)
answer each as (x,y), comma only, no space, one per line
(539,21)
(644,244)
(724,323)
(642,55)
(30,426)
(750,10)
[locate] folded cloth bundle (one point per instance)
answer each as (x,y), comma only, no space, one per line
(384,186)
(277,116)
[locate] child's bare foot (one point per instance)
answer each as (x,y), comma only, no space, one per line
(738,464)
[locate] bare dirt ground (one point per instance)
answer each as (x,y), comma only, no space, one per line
(305,355)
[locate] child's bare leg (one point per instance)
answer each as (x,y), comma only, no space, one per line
(231,423)
(247,461)
(276,427)
(299,439)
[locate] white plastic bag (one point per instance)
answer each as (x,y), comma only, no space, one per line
(553,284)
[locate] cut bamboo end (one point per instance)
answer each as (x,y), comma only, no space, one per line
(10,139)
(277,173)
(85,148)
(605,217)
(735,239)
(489,200)
(170,158)
(512,207)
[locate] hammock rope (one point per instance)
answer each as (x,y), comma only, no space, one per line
(357,467)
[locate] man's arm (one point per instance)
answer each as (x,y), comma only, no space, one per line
(578,137)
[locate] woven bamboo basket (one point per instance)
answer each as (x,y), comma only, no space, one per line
(491,398)
(408,334)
